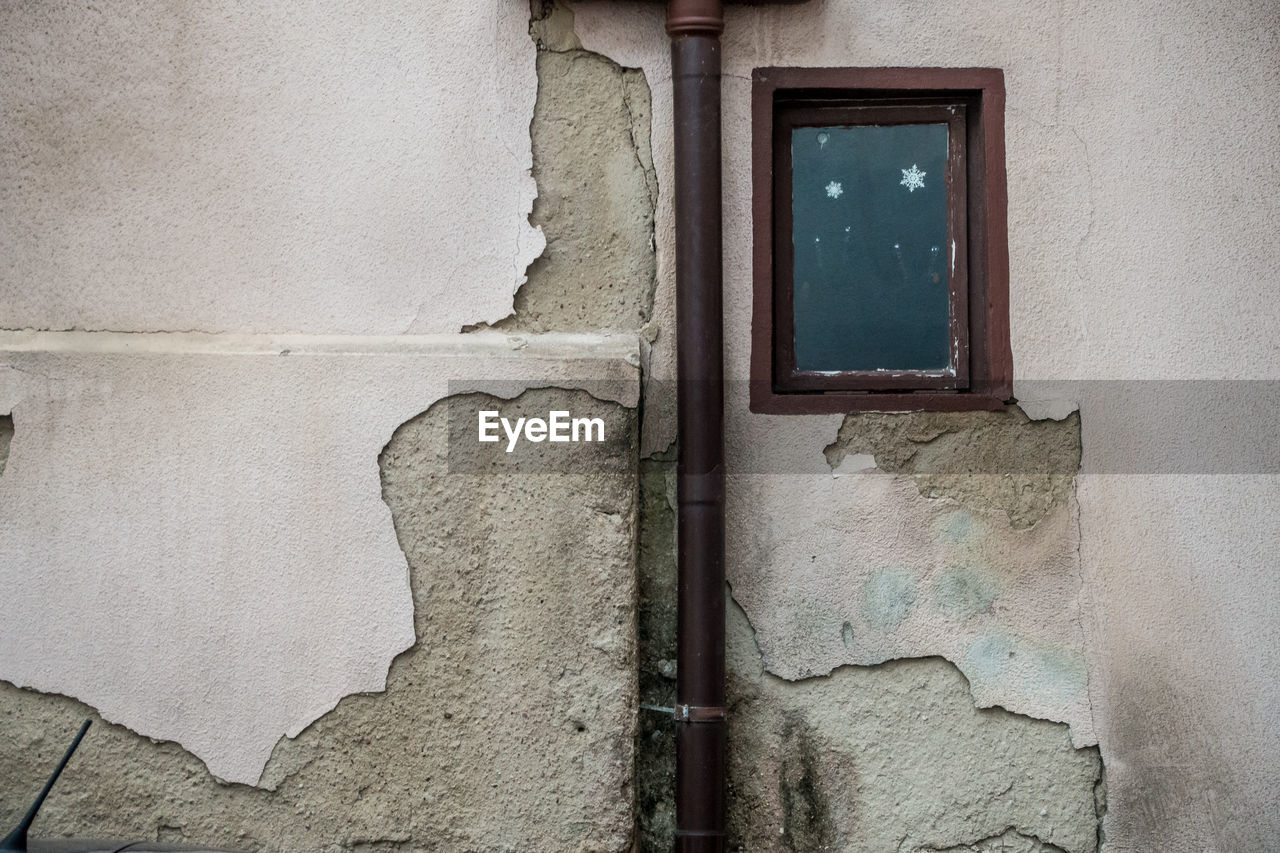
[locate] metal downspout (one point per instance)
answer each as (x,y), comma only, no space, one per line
(694,27)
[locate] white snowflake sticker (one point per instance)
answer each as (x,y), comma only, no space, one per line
(834,190)
(913,178)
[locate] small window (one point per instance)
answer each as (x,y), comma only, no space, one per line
(881,264)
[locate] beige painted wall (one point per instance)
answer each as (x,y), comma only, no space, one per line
(264,167)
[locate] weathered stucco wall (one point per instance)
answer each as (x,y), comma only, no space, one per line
(1143,195)
(506,727)
(216,500)
(262,172)
(194,531)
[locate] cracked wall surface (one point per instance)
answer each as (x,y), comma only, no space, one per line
(263,172)
(1140,248)
(895,757)
(507,726)
(928,556)
(217,499)
(596,189)
(255,172)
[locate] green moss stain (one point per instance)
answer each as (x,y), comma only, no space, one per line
(1047,671)
(888,598)
(6,436)
(964,592)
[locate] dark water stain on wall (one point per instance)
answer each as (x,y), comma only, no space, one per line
(806,822)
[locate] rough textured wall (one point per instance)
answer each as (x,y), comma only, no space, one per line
(1143,197)
(656,636)
(596,188)
(999,461)
(890,757)
(507,726)
(217,499)
(958,546)
(896,757)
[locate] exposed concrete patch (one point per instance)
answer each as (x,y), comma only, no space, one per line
(551,25)
(508,726)
(982,460)
(597,188)
(896,758)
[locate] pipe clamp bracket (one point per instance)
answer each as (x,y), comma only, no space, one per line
(700,713)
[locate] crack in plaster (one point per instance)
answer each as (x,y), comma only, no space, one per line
(1093,206)
(970,804)
(766,672)
(1023,842)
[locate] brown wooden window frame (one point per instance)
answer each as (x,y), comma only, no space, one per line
(971,102)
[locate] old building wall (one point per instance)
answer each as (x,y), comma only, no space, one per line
(247,525)
(506,726)
(1141,201)
(934,618)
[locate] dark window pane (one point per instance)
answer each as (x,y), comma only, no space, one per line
(869,206)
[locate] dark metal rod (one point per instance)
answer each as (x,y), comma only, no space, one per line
(695,27)
(17,840)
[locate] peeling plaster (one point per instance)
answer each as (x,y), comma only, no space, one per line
(864,569)
(896,757)
(596,189)
(913,574)
(216,499)
(322,173)
(442,758)
(1141,246)
(983,460)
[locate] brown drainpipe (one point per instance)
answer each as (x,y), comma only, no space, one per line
(694,27)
